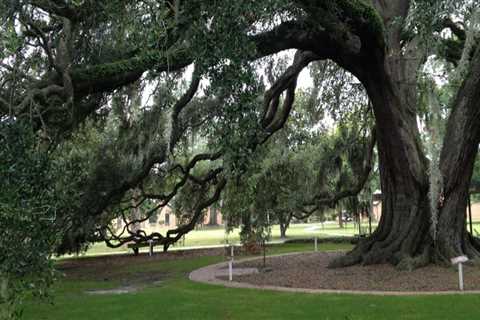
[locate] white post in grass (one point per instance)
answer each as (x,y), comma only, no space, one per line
(459,261)
(460,276)
(230,270)
(231,251)
(150,242)
(316,244)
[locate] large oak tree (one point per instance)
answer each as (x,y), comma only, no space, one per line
(68,57)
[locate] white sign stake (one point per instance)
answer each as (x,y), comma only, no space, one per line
(316,244)
(459,261)
(150,242)
(231,252)
(230,270)
(460,276)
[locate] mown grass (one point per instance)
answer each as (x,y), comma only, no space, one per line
(179,298)
(216,236)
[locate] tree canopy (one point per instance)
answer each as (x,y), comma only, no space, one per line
(135,101)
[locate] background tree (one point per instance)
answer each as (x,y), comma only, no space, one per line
(307,166)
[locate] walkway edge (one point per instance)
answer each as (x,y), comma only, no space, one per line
(207,275)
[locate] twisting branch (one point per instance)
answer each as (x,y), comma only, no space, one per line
(117,239)
(84,80)
(456,29)
(179,106)
(272,118)
(329,199)
(35,30)
(175,234)
(63,62)
(452,48)
(186,175)
(59,8)
(287,83)
(306,213)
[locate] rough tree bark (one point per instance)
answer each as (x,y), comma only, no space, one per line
(388,72)
(456,163)
(404,235)
(403,232)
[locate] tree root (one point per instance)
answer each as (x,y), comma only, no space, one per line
(409,263)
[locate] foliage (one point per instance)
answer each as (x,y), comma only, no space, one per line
(28,209)
(304,160)
(80,73)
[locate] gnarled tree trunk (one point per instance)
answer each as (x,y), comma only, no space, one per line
(404,235)
(403,232)
(456,163)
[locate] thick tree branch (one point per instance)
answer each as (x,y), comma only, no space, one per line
(329,199)
(116,239)
(179,106)
(175,235)
(287,82)
(463,131)
(58,8)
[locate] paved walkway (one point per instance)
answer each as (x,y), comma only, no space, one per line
(210,274)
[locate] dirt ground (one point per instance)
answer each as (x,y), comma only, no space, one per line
(106,268)
(309,271)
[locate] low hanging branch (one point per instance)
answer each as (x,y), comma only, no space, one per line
(161,155)
(116,239)
(175,234)
(274,119)
(330,199)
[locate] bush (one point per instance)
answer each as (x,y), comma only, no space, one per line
(27,219)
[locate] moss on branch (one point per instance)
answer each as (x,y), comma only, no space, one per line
(140,63)
(362,18)
(357,17)
(363,15)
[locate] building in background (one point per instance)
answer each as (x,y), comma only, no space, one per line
(166,219)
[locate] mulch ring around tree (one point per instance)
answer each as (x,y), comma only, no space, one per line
(309,271)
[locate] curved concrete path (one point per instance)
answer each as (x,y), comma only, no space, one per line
(210,273)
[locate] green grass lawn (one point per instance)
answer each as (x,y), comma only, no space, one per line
(179,298)
(216,235)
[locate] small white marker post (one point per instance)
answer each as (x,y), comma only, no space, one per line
(230,270)
(316,244)
(231,252)
(459,261)
(150,242)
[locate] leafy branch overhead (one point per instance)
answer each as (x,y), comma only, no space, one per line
(142,103)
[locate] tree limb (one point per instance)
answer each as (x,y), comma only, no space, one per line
(329,199)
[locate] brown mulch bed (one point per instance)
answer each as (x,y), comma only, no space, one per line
(309,271)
